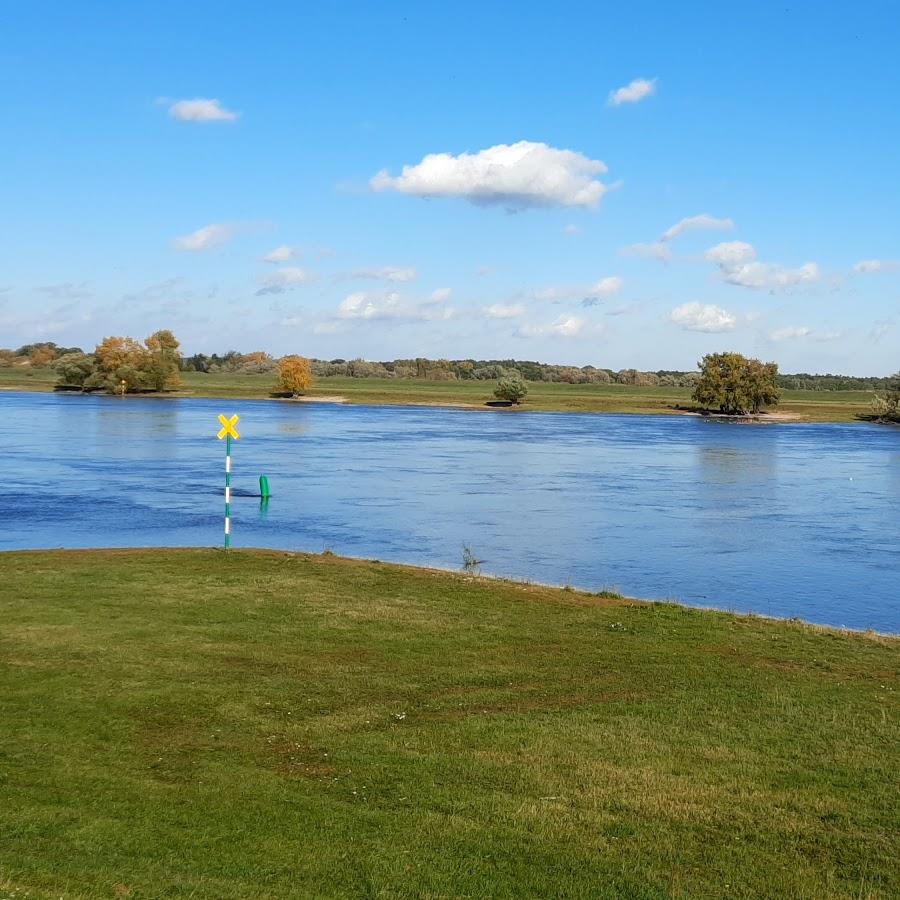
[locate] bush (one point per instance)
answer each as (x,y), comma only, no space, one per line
(511,388)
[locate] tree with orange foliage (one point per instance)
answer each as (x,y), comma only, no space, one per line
(42,356)
(294,375)
(124,364)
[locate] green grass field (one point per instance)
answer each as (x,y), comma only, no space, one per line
(816,406)
(199,724)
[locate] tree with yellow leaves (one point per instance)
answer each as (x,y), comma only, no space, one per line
(294,375)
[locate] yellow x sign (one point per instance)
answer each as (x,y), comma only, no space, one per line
(228,427)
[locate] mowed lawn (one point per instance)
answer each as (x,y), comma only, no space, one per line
(814,406)
(191,723)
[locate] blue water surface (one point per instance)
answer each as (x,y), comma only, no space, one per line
(785,520)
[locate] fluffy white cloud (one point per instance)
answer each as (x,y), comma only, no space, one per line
(517,176)
(201,110)
(564,326)
(738,265)
(386,273)
(205,238)
(633,92)
(877,265)
(281,254)
(283,280)
(694,223)
(441,295)
(707,318)
(731,253)
(504,311)
(362,305)
(658,251)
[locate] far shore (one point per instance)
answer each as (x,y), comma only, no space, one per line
(795,406)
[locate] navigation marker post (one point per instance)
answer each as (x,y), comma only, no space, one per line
(227,432)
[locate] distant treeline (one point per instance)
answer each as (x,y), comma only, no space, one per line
(492,369)
(261,363)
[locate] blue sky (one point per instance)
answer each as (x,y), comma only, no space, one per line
(154,154)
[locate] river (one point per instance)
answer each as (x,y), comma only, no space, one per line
(780,519)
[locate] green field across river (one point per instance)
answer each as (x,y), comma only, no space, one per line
(814,406)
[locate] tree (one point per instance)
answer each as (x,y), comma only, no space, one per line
(42,356)
(511,388)
(736,385)
(74,369)
(118,359)
(163,360)
(888,407)
(149,366)
(294,375)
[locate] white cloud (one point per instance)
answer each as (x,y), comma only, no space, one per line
(386,273)
(517,176)
(790,333)
(504,311)
(567,326)
(737,262)
(441,295)
(600,290)
(281,254)
(794,333)
(730,253)
(283,280)
(201,110)
(693,223)
(205,238)
(633,92)
(659,251)
(564,326)
(556,293)
(708,318)
(362,305)
(607,287)
(877,265)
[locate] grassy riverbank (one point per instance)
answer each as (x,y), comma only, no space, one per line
(815,406)
(194,724)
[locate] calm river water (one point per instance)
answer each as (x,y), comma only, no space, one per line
(785,520)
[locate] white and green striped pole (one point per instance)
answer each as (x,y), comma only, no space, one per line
(228,431)
(227,491)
